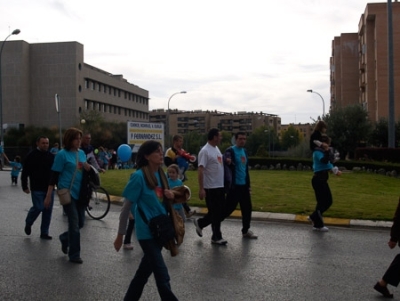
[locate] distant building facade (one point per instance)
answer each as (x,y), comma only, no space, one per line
(33,73)
(305,129)
(367,71)
(183,122)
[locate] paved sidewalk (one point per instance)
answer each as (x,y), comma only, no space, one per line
(286,217)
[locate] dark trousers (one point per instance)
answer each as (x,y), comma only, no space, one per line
(215,201)
(72,237)
(392,275)
(152,262)
(129,231)
(323,195)
(240,194)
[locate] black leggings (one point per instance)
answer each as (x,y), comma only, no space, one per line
(323,195)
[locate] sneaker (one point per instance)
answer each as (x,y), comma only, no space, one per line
(28,230)
(321,229)
(310,220)
(250,234)
(190,213)
(199,231)
(221,242)
(383,290)
(128,247)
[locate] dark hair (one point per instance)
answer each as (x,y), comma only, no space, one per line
(212,133)
(320,125)
(146,149)
(69,136)
(18,159)
(41,137)
(325,139)
(239,133)
(177,138)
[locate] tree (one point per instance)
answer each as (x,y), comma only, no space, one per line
(379,135)
(291,138)
(348,127)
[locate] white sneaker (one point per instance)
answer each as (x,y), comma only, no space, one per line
(322,229)
(250,234)
(219,242)
(199,231)
(128,247)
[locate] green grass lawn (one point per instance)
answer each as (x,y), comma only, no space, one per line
(355,195)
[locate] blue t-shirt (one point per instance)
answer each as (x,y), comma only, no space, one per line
(16,168)
(172,184)
(317,164)
(139,194)
(65,164)
(240,165)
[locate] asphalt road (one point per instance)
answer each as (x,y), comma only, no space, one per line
(288,262)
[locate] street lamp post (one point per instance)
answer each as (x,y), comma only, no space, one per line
(15,32)
(167,123)
(269,141)
(323,102)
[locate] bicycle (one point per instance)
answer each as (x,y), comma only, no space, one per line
(99,203)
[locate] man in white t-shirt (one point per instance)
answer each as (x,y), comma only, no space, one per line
(211,187)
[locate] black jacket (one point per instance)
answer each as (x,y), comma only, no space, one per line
(37,166)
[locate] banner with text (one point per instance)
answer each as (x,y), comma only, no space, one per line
(139,132)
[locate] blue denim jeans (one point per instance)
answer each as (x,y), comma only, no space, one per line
(37,208)
(152,262)
(76,220)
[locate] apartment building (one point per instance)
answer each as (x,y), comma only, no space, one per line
(182,122)
(305,129)
(368,70)
(33,73)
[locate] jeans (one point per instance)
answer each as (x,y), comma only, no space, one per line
(240,194)
(324,198)
(76,220)
(152,262)
(215,201)
(37,208)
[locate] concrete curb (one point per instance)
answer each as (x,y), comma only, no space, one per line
(286,217)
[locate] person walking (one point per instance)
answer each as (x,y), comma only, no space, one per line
(89,152)
(237,183)
(321,166)
(392,274)
(144,190)
(16,167)
(211,187)
(173,155)
(67,173)
(37,168)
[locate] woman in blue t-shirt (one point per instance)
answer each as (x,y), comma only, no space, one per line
(67,173)
(144,190)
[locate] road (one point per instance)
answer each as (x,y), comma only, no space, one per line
(288,262)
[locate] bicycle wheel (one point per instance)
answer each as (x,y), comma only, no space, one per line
(99,203)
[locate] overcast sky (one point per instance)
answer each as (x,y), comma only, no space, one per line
(254,55)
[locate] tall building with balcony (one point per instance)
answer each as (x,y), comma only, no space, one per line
(33,73)
(344,71)
(367,72)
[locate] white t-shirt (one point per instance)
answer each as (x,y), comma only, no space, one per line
(211,159)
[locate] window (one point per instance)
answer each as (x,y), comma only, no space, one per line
(93,86)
